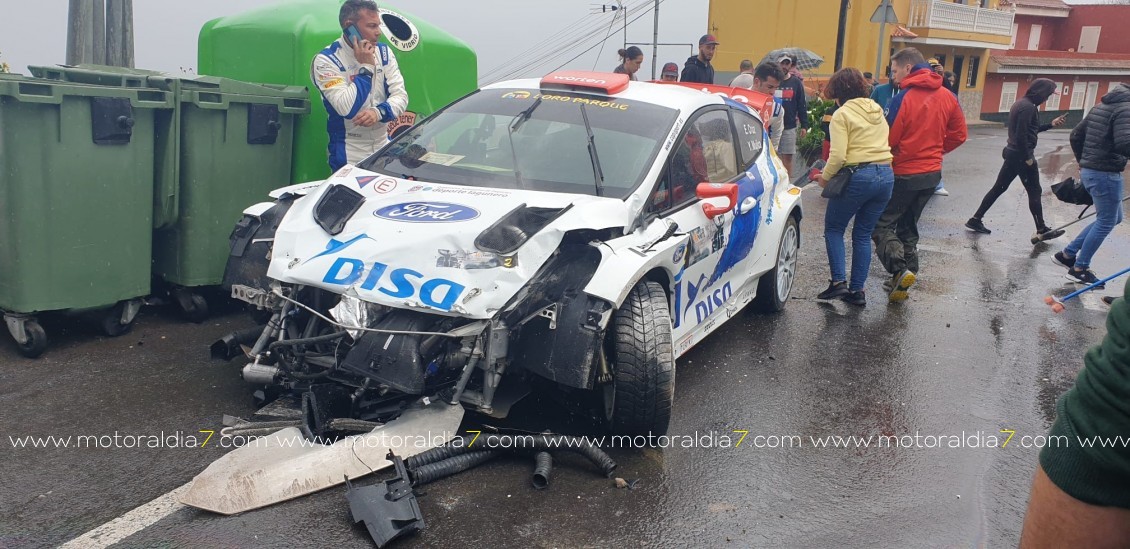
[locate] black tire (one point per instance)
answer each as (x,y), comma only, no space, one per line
(638,400)
(197,311)
(111,321)
(36,340)
(775,286)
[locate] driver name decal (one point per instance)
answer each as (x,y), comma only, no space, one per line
(427,212)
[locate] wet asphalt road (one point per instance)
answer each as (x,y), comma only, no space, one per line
(975,350)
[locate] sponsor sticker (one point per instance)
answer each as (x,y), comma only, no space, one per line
(680,252)
(333,83)
(472,260)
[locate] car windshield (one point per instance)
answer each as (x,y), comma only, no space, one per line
(514,138)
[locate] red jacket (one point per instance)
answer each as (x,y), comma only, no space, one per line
(926,122)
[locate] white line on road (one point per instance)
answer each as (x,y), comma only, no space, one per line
(130,523)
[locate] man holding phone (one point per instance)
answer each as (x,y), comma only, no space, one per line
(1020,157)
(361,85)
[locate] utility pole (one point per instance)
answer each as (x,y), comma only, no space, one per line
(99,32)
(841,31)
(80,32)
(119,33)
(655,41)
(884,14)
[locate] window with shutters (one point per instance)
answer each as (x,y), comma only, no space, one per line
(1008,96)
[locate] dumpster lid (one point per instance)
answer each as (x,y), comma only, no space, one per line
(105,75)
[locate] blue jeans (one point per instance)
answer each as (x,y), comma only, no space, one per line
(864,198)
(1106,191)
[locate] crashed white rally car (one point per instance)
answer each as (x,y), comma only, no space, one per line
(577,233)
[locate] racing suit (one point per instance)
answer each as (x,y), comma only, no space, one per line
(348,88)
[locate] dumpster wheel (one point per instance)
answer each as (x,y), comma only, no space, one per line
(36,340)
(194,308)
(118,320)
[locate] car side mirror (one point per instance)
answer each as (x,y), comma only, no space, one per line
(714,190)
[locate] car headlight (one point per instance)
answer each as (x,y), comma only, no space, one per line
(515,228)
(335,207)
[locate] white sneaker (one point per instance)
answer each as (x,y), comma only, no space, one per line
(941,191)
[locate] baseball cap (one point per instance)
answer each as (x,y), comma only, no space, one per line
(670,68)
(707,39)
(933,62)
(788,58)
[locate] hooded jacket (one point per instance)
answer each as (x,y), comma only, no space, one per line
(858,134)
(926,122)
(1102,140)
(1024,119)
(696,70)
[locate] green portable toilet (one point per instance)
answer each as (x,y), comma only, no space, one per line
(77,165)
(276,44)
(226,144)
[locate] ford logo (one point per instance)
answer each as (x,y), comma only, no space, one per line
(427,212)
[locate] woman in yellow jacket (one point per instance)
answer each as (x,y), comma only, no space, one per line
(859,142)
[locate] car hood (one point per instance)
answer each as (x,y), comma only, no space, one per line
(412,244)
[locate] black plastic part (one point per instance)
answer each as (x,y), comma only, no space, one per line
(515,228)
(389,509)
(229,346)
(111,120)
(321,404)
(566,354)
(543,465)
(392,359)
(454,447)
(335,207)
(251,242)
(262,124)
(577,445)
(451,466)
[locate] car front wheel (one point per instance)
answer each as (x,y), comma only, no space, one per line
(639,397)
(774,287)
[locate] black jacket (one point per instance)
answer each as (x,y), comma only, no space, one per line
(694,70)
(1024,119)
(795,104)
(1102,140)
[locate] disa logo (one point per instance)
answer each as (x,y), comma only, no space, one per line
(517,95)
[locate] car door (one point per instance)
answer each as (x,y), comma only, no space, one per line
(706,153)
(758,182)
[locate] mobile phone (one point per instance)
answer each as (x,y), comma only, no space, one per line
(352,34)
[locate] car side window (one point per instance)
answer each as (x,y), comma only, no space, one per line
(751,136)
(705,154)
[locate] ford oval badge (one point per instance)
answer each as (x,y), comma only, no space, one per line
(427,212)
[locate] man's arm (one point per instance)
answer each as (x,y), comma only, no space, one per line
(1020,122)
(345,97)
(1078,138)
(956,132)
(777,125)
(1055,519)
(1120,127)
(802,104)
(397,101)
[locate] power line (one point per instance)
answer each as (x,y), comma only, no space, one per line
(594,45)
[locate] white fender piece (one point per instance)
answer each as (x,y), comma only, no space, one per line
(283,466)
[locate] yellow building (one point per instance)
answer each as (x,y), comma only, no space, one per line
(959,34)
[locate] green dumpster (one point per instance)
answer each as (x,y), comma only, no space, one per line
(228,144)
(277,43)
(76,193)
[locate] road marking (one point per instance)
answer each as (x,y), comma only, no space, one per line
(130,523)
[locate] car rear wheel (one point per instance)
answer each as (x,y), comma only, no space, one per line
(774,287)
(638,399)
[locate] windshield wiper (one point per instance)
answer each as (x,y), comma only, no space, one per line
(597,173)
(513,127)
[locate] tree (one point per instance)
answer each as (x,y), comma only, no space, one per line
(4,68)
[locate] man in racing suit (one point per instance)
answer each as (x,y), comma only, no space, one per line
(361,86)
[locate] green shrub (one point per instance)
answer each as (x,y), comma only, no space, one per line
(809,147)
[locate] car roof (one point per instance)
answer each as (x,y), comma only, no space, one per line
(683,98)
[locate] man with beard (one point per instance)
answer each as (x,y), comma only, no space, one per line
(698,68)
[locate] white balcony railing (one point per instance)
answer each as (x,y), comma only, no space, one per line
(946,15)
